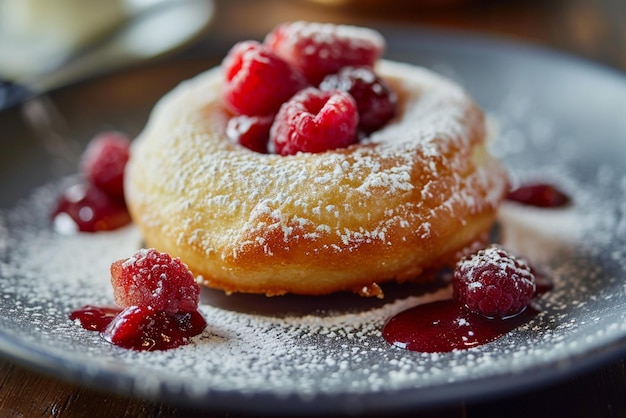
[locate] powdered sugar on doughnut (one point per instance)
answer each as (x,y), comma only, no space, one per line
(229,203)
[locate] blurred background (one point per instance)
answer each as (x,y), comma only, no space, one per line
(592,28)
(45,44)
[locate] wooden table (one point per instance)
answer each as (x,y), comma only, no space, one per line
(595,29)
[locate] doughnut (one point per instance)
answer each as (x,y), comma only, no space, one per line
(408,198)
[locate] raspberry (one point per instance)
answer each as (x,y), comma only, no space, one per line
(319,49)
(87,208)
(143,328)
(153,279)
(104,160)
(258,81)
(494,283)
(315,121)
(375,100)
(252,132)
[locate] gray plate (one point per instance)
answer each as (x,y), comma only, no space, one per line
(557,119)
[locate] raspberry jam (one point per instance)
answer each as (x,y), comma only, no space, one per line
(140,328)
(445,326)
(491,298)
(158,298)
(540,195)
(84,207)
(95,318)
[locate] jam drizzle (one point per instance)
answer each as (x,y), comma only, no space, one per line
(445,326)
(85,208)
(95,318)
(448,325)
(540,195)
(140,328)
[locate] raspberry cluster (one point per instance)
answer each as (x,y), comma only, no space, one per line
(309,87)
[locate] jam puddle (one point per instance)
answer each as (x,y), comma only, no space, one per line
(141,328)
(446,325)
(540,195)
(94,318)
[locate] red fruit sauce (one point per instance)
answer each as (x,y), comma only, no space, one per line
(445,326)
(86,208)
(448,325)
(95,318)
(540,195)
(140,328)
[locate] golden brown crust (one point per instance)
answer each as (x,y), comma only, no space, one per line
(416,191)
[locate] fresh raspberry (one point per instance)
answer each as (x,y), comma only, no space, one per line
(153,279)
(315,121)
(145,329)
(258,81)
(87,208)
(374,98)
(494,283)
(104,160)
(252,132)
(319,49)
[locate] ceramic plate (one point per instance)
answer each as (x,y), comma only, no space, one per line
(556,119)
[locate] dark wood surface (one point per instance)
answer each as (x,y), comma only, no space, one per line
(592,29)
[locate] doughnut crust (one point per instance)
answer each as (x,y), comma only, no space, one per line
(401,201)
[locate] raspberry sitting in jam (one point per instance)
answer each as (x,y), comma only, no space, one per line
(320,49)
(492,290)
(143,328)
(97,202)
(375,100)
(494,283)
(154,279)
(157,298)
(315,121)
(257,81)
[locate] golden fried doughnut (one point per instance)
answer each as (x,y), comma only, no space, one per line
(399,202)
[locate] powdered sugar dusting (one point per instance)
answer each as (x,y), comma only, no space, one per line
(377,185)
(339,350)
(266,346)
